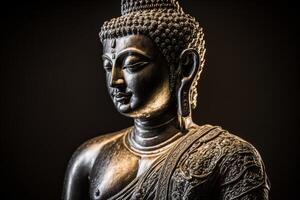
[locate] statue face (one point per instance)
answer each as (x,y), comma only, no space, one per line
(137,76)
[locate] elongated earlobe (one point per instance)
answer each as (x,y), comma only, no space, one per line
(188,65)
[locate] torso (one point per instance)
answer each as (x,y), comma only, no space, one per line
(117,165)
(197,170)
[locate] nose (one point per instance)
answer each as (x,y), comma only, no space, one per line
(117,79)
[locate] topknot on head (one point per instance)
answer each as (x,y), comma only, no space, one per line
(128,6)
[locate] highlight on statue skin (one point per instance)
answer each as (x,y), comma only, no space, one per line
(137,76)
(153,56)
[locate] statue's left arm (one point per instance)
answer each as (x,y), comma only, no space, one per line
(243,176)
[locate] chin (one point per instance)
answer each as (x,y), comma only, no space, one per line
(124,109)
(131,111)
(143,109)
(144,112)
(127,108)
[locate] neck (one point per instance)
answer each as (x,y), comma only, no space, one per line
(153,132)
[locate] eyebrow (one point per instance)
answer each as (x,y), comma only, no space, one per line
(126,51)
(105,56)
(133,50)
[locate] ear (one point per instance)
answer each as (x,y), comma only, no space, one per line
(188,66)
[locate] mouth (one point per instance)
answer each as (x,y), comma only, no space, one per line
(121,97)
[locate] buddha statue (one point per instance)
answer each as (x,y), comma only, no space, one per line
(153,56)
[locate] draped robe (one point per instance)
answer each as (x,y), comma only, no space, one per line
(206,163)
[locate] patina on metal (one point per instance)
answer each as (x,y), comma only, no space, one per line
(153,56)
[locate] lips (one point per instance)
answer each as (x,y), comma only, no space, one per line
(121,97)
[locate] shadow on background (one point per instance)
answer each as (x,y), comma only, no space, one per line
(54,98)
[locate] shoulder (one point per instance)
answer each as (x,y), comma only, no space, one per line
(88,151)
(241,171)
(227,151)
(231,162)
(80,165)
(226,146)
(212,147)
(234,162)
(85,155)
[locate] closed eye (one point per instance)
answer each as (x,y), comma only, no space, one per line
(107,65)
(134,62)
(135,66)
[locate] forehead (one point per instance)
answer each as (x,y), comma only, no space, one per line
(140,42)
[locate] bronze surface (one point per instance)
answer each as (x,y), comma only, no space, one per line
(164,155)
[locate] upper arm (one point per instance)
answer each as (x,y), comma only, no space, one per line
(243,176)
(76,183)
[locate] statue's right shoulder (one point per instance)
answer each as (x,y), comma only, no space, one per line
(89,150)
(102,140)
(81,163)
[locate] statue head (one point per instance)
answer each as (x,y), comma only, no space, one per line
(153,55)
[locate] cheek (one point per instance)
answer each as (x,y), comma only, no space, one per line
(108,78)
(145,82)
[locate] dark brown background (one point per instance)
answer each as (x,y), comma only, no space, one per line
(53,95)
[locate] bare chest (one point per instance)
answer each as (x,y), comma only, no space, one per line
(114,169)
